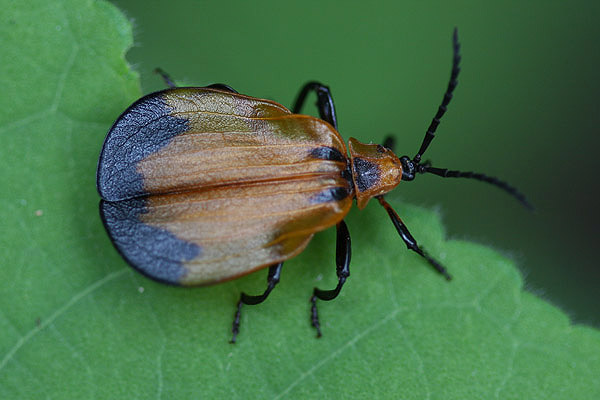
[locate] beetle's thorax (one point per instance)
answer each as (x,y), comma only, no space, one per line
(376,170)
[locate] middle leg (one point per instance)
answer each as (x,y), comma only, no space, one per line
(342,260)
(272,280)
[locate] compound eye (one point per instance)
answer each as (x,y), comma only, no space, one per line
(408,168)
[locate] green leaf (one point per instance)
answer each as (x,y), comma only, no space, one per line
(77,322)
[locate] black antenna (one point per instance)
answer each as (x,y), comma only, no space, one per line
(411,167)
(430,134)
(445,173)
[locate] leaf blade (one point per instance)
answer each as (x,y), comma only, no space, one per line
(104,331)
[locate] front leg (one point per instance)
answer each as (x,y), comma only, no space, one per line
(410,241)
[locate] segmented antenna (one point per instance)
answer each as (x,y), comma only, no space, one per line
(430,134)
(415,166)
(511,190)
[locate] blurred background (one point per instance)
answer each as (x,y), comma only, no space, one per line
(526,109)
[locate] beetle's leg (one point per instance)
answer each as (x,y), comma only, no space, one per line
(342,260)
(409,240)
(389,142)
(272,280)
(324,102)
(170,83)
(222,86)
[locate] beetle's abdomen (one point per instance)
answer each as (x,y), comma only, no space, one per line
(235,183)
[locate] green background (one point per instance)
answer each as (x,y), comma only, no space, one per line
(77,322)
(526,108)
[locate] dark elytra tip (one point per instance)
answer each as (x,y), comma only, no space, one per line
(153,251)
(143,129)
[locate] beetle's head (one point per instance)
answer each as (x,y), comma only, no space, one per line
(414,166)
(375,170)
(409,168)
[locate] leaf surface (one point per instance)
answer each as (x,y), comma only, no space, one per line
(77,322)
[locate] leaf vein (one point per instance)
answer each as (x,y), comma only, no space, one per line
(336,352)
(60,311)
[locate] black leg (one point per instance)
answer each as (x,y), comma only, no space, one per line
(342,261)
(272,280)
(222,86)
(165,77)
(170,83)
(389,142)
(324,102)
(409,240)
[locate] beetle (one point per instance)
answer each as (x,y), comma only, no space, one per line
(200,185)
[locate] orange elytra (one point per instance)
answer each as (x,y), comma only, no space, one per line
(203,185)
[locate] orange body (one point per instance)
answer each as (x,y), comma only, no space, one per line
(202,185)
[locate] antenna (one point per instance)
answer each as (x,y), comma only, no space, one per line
(430,134)
(411,167)
(445,173)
